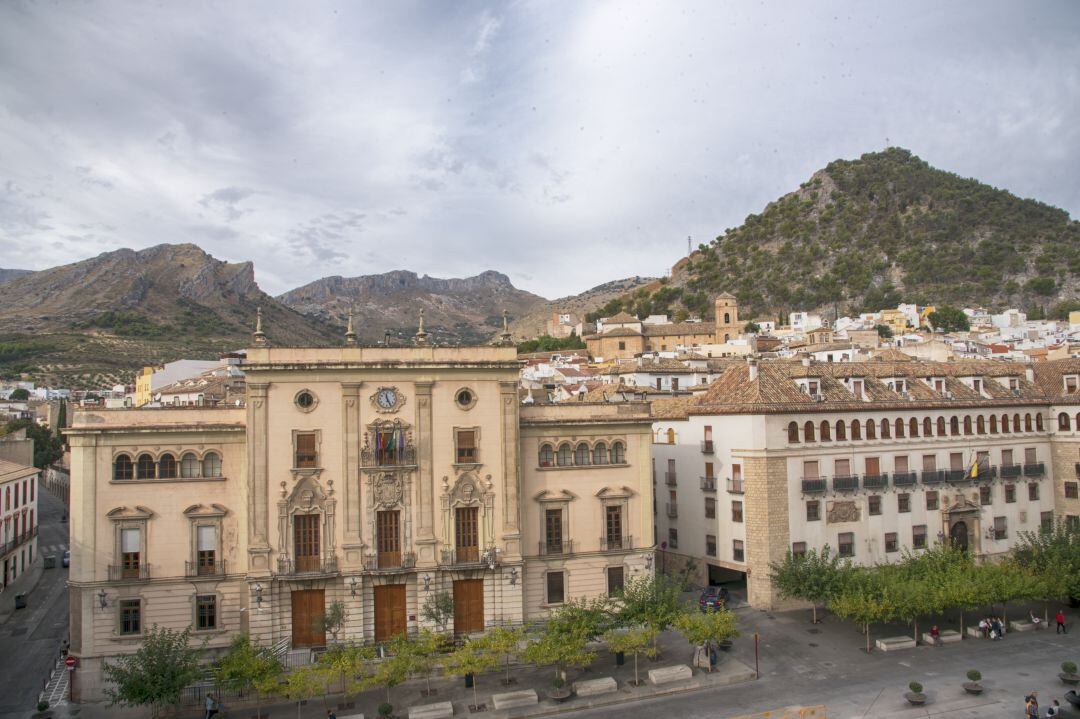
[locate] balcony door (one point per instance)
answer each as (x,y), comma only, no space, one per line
(306,542)
(388,538)
(467,534)
(613,527)
(553,531)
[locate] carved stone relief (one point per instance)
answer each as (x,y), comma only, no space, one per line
(842,511)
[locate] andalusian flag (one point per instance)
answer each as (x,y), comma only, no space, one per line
(974,472)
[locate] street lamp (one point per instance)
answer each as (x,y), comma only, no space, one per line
(513,576)
(352,585)
(427,582)
(258,595)
(103,599)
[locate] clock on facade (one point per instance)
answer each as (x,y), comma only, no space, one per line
(387,399)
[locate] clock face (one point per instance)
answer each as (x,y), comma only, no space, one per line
(387,398)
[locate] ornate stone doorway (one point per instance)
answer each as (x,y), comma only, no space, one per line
(958,535)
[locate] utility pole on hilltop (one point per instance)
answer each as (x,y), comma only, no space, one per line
(688,246)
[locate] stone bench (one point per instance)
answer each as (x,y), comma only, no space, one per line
(594,687)
(974,632)
(667,675)
(891,644)
(949,636)
(1022,625)
(513,700)
(438,710)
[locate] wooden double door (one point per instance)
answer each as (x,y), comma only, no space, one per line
(308,610)
(390,613)
(468,606)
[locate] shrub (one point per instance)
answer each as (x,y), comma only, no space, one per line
(915,687)
(386,709)
(42,705)
(974,675)
(1068,667)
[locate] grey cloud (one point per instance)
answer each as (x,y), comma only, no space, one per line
(226,200)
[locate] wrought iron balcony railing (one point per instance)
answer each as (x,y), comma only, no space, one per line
(461,555)
(616,543)
(1034,469)
(308,565)
(670,479)
(845,483)
(813,485)
(736,486)
(875,481)
(673,509)
(555,548)
(128,572)
(707,446)
(1008,471)
(205,569)
(903,479)
(390,561)
(708,484)
(933,476)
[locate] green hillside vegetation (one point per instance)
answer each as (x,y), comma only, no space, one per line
(887,228)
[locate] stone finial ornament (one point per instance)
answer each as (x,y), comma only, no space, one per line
(421,337)
(259,337)
(505,337)
(350,333)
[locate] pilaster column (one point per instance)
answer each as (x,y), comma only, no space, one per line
(350,392)
(258,483)
(508,399)
(425,485)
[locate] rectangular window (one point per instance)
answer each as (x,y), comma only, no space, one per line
(1072,490)
(1001,529)
(798,549)
(903,502)
(918,536)
(857,388)
(710,508)
(466,446)
(206,541)
(556,592)
(842,468)
(738,553)
(553,531)
(976,384)
(130,552)
(1010,493)
(1030,455)
(206,611)
(985,496)
(467,534)
(813,510)
(615,581)
(1007,457)
(1046,521)
(388,538)
(710,545)
(130,616)
(674,384)
(932,500)
(892,542)
(1071,383)
(709,469)
(873,465)
(673,538)
(1033,492)
(306,455)
(846,543)
(874,502)
(736,512)
(613,526)
(929,462)
(810,469)
(900,463)
(956,460)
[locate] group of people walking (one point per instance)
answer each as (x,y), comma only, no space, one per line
(992,628)
(1031,708)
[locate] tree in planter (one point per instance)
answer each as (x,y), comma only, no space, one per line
(704,628)
(1054,555)
(347,662)
(248,665)
(155,675)
(815,576)
(303,683)
(861,600)
(632,640)
(505,642)
(472,657)
(652,600)
(438,610)
(563,642)
(395,666)
(425,655)
(334,619)
(910,597)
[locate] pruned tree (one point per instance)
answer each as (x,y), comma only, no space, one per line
(505,642)
(156,673)
(652,600)
(816,576)
(347,662)
(249,665)
(438,610)
(471,658)
(632,640)
(705,628)
(333,619)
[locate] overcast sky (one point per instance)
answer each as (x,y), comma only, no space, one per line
(565,144)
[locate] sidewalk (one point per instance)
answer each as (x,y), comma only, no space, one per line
(25,583)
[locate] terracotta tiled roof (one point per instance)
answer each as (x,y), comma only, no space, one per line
(680,328)
(617,332)
(621,317)
(672,407)
(891,354)
(1050,378)
(13,470)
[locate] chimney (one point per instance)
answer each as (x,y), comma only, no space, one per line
(751,363)
(1029,373)
(806,360)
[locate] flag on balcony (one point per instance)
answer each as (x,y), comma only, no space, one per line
(973,473)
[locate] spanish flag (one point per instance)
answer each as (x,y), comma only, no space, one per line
(974,472)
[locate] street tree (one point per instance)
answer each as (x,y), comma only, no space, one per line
(303,683)
(249,665)
(472,658)
(398,661)
(347,662)
(653,601)
(334,619)
(438,609)
(714,626)
(815,576)
(505,642)
(862,601)
(156,673)
(632,640)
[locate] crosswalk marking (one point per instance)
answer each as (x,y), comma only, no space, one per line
(56,691)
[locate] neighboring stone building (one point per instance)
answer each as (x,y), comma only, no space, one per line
(18,519)
(152,379)
(374,477)
(868,457)
(623,336)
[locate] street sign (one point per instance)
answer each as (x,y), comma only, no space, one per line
(70,662)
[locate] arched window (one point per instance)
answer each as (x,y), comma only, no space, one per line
(1027,422)
(871,429)
(967,424)
(581,454)
(856,429)
(565,455)
(671,436)
(993,424)
(599,453)
(793,433)
(727,318)
(1063,422)
(898,428)
(826,431)
(189,465)
(927,427)
(940,426)
(913,427)
(1078,420)
(841,430)
(954,426)
(618,453)
(167,466)
(1016,422)
(1039,426)
(122,468)
(808,432)
(144,467)
(547,455)
(211,465)
(885,433)
(980,425)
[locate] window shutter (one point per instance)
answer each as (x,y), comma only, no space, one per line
(129,541)
(207,538)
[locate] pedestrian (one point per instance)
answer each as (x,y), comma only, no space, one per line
(211,706)
(330,714)
(1054,710)
(984,627)
(1060,619)
(935,636)
(1031,706)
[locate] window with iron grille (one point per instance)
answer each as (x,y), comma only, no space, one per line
(615,580)
(1010,493)
(798,549)
(206,611)
(738,553)
(1072,490)
(736,512)
(932,500)
(892,542)
(903,502)
(1001,528)
(673,538)
(1046,521)
(710,545)
(985,496)
(1033,492)
(710,508)
(874,502)
(918,536)
(555,588)
(130,616)
(813,511)
(846,543)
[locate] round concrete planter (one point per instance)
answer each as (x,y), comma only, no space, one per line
(973,687)
(915,699)
(1070,679)
(559,694)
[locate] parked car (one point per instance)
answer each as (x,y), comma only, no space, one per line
(66,559)
(712,598)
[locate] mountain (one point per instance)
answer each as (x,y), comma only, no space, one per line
(94,322)
(455,310)
(866,234)
(6,275)
(534,323)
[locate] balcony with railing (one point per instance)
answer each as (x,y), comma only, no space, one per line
(670,479)
(616,543)
(1009,471)
(389,562)
(1034,469)
(672,509)
(128,572)
(987,473)
(814,485)
(845,483)
(393,456)
(904,479)
(957,476)
(204,569)
(556,547)
(875,481)
(307,565)
(736,486)
(461,556)
(15,542)
(933,476)
(708,484)
(706,446)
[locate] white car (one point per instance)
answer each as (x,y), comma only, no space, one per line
(66,559)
